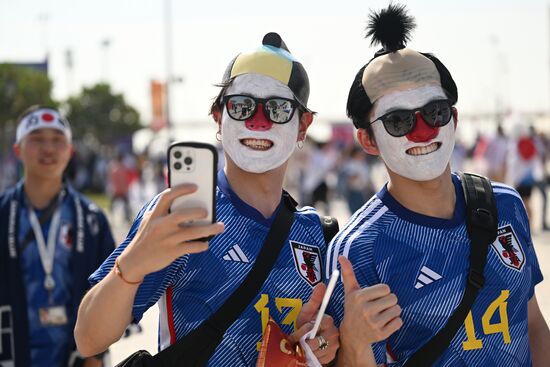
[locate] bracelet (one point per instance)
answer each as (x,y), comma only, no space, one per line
(118,272)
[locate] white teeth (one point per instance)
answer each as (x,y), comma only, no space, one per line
(424,150)
(257,144)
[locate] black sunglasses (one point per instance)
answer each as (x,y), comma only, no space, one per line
(278,110)
(401,122)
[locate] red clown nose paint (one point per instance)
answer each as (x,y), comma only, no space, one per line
(422,131)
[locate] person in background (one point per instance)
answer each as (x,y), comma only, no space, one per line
(541,145)
(524,162)
(495,155)
(119,179)
(52,238)
(356,178)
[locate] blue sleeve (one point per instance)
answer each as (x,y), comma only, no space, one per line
(154,284)
(532,261)
(365,273)
(107,242)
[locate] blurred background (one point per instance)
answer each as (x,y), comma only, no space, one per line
(133,76)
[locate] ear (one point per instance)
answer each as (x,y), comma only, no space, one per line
(367,142)
(17,150)
(217,115)
(305,120)
(455,115)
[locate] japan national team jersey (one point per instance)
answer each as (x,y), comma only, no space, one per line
(194,286)
(425,261)
(48,344)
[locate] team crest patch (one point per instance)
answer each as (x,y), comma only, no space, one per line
(308,262)
(508,248)
(66,235)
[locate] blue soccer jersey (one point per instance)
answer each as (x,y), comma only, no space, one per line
(425,261)
(193,287)
(48,343)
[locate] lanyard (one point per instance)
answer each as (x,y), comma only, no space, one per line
(14,205)
(47,250)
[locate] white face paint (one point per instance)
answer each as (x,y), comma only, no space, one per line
(396,152)
(259,151)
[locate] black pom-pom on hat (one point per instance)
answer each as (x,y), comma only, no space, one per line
(390,27)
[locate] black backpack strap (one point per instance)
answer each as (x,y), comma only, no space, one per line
(196,348)
(330,227)
(481,221)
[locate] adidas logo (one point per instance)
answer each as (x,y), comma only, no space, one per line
(236,254)
(426,277)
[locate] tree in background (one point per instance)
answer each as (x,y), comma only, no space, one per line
(20,87)
(99,113)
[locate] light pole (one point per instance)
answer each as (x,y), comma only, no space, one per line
(43,18)
(69,63)
(105,44)
(168,56)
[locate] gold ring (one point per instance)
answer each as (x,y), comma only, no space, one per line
(323,343)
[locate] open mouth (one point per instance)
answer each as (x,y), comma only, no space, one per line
(257,144)
(424,150)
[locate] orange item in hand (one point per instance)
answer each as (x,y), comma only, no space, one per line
(277,351)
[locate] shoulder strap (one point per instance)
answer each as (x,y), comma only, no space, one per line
(196,348)
(481,221)
(330,227)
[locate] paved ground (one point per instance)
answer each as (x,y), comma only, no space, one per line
(147,339)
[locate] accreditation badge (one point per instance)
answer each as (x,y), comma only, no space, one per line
(53,316)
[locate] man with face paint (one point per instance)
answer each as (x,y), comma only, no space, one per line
(261,114)
(405,254)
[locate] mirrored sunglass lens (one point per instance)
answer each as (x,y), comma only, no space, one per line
(437,113)
(240,107)
(279,110)
(398,123)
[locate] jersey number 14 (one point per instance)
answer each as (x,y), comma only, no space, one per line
(499,304)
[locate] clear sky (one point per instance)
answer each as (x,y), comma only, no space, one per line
(495,50)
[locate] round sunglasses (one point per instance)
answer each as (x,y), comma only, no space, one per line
(399,123)
(278,110)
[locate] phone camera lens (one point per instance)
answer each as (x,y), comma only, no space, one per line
(188,160)
(177,165)
(177,154)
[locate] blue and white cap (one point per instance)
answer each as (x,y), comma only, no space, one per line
(42,118)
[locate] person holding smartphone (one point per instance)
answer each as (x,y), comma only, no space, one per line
(405,255)
(262,114)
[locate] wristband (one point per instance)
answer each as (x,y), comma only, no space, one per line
(118,272)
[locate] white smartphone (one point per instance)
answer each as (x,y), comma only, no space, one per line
(196,163)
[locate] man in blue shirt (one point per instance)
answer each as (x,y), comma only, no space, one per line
(51,240)
(261,113)
(409,245)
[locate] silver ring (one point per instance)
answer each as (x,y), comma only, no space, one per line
(323,343)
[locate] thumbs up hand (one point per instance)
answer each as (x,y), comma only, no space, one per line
(371,314)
